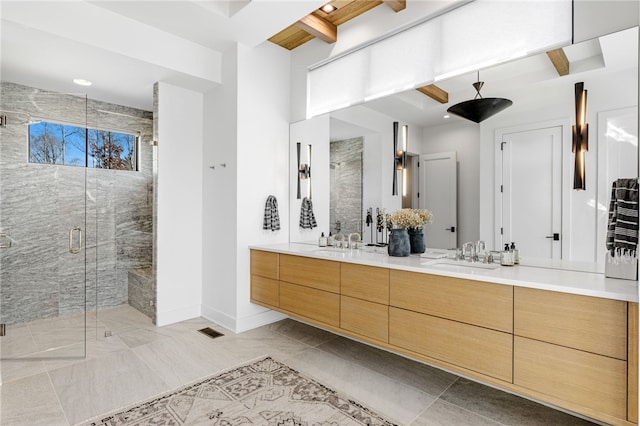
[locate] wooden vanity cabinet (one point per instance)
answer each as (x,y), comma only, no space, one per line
(461,322)
(310,288)
(632,363)
(575,352)
(264,278)
(473,302)
(572,348)
(364,301)
(590,324)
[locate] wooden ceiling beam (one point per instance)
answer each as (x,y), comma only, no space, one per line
(559,61)
(396,5)
(435,93)
(319,27)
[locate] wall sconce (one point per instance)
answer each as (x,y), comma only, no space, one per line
(400,157)
(304,170)
(580,143)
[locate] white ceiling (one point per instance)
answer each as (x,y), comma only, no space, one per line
(126,46)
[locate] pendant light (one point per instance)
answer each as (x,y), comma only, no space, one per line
(479,109)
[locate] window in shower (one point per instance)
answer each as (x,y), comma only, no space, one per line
(64,144)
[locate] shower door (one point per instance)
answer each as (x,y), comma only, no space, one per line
(43,223)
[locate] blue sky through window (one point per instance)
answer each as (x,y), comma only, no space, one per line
(55,143)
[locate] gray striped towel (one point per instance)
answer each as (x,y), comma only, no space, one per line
(307,218)
(622,227)
(271,219)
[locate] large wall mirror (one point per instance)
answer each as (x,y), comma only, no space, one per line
(542,114)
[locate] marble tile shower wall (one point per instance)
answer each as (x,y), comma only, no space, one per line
(39,278)
(345,203)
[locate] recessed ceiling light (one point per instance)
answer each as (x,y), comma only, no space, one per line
(446,116)
(328,8)
(82,82)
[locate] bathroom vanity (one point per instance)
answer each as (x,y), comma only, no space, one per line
(561,337)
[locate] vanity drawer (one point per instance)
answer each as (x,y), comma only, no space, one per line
(593,381)
(265,290)
(473,302)
(365,318)
(479,349)
(587,323)
(311,303)
(316,273)
(264,263)
(365,282)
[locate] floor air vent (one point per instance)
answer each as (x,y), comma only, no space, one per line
(210,332)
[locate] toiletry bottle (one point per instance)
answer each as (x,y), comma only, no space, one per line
(506,257)
(516,253)
(330,239)
(323,241)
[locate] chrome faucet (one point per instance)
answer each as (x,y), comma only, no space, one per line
(349,243)
(469,252)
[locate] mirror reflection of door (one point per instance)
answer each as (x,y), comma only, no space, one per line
(438,193)
(531,164)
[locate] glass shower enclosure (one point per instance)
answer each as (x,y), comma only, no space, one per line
(48,227)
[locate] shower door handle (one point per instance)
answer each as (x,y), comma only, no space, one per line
(75,248)
(5,241)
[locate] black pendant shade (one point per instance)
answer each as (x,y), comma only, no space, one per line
(479,108)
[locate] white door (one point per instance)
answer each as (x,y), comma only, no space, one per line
(532,164)
(438,193)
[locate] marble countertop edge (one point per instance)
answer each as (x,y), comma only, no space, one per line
(552,279)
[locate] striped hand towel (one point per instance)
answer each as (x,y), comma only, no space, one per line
(622,227)
(307,218)
(271,219)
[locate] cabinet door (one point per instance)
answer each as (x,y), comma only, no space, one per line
(317,305)
(587,323)
(265,291)
(264,263)
(475,348)
(366,318)
(316,273)
(593,381)
(365,282)
(632,362)
(474,302)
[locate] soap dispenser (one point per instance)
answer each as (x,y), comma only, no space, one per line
(516,253)
(506,257)
(322,242)
(330,239)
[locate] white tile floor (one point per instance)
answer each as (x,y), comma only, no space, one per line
(140,360)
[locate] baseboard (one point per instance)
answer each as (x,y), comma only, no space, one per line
(177,315)
(238,325)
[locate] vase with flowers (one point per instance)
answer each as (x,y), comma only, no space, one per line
(407,235)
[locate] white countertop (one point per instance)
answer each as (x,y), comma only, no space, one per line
(575,282)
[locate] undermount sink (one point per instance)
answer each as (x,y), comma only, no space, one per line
(459,264)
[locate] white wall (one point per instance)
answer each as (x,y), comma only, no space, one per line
(463,137)
(247,128)
(219,197)
(179,223)
(263,147)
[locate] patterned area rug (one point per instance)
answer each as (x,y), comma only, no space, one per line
(265,392)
